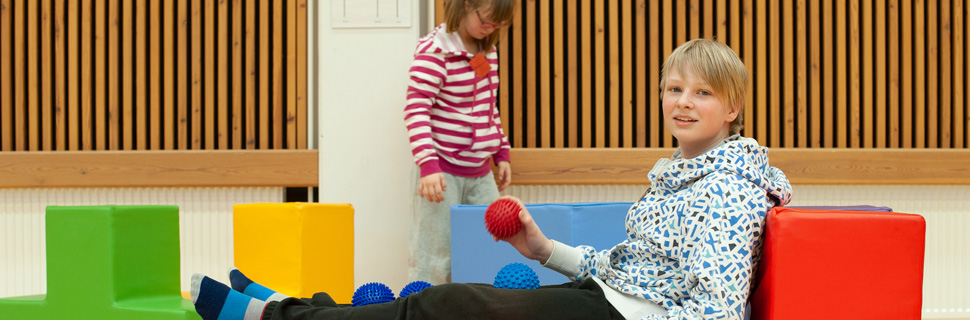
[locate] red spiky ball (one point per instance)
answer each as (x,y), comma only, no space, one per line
(502,218)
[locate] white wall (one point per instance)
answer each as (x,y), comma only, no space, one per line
(365,159)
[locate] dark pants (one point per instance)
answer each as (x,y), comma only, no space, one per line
(583,300)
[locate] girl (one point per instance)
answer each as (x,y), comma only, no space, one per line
(454,127)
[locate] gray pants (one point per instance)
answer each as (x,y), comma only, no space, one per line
(429,245)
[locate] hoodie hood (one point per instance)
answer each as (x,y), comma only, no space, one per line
(440,41)
(735,155)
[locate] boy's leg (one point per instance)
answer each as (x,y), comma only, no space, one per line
(466,301)
(216,301)
(243,284)
(321,306)
(583,300)
(429,245)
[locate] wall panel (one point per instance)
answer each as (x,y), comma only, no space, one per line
(152,75)
(822,74)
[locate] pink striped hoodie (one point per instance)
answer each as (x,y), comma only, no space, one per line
(451,115)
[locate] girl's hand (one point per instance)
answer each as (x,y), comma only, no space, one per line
(530,242)
(432,187)
(504,175)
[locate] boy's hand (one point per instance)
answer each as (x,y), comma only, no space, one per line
(530,242)
(504,175)
(432,187)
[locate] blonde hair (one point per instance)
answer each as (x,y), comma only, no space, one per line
(500,11)
(717,64)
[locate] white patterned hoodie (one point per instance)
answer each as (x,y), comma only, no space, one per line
(693,238)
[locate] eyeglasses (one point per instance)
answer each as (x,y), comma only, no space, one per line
(488,24)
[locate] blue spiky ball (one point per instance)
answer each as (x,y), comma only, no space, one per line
(516,276)
(413,287)
(372,293)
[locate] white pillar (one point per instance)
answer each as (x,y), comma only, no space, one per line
(365,160)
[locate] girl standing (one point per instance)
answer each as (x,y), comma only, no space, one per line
(454,127)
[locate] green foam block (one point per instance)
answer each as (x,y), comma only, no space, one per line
(108,262)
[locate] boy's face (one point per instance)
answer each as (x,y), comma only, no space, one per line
(694,113)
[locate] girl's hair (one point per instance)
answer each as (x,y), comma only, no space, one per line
(717,64)
(499,11)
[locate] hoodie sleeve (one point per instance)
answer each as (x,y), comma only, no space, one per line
(564,259)
(503,153)
(427,75)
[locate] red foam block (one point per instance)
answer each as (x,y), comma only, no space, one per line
(830,264)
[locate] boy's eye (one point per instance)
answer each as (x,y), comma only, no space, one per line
(705,93)
(674,89)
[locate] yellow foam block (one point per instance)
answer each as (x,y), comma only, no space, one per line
(297,249)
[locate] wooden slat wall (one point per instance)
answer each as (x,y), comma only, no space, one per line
(587,166)
(823,74)
(152,75)
(189,168)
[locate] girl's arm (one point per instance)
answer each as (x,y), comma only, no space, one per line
(427,75)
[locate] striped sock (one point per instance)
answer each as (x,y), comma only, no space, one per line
(242,284)
(215,301)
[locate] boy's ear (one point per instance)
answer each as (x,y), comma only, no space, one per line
(733,114)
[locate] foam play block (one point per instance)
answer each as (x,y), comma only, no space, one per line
(108,262)
(834,264)
(846,208)
(476,258)
(297,249)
